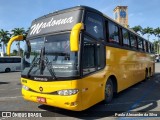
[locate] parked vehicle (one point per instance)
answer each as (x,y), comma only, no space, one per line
(8,64)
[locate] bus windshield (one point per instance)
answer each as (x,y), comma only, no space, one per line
(51,57)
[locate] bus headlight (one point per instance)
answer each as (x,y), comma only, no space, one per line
(25,87)
(67,92)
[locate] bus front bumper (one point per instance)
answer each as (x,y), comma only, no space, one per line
(72,102)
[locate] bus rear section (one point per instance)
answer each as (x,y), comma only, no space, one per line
(8,64)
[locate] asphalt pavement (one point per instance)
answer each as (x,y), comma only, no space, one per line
(142,98)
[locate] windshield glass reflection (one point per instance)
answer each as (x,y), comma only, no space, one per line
(51,56)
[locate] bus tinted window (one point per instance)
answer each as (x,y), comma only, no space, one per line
(17,60)
(140,43)
(125,37)
(113,33)
(94,25)
(93,56)
(145,46)
(152,48)
(133,41)
(2,60)
(149,49)
(8,60)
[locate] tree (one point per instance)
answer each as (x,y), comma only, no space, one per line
(148,31)
(18,31)
(15,52)
(157,32)
(4,37)
(26,33)
(156,46)
(137,28)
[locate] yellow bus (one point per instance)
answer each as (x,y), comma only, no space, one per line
(77,57)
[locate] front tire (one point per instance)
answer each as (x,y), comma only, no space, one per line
(108,91)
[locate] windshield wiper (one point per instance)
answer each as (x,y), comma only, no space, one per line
(42,59)
(34,63)
(43,62)
(50,68)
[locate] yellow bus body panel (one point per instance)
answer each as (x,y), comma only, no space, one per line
(128,67)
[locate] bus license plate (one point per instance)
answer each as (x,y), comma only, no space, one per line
(41,99)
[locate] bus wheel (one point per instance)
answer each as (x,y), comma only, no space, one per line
(7,70)
(146,74)
(108,91)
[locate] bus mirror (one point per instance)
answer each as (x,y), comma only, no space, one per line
(15,38)
(74,37)
(28,49)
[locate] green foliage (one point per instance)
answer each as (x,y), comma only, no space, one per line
(15,52)
(4,38)
(157,32)
(137,28)
(18,31)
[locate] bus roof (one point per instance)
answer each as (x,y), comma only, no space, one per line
(84,8)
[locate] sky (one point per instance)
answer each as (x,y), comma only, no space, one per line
(20,13)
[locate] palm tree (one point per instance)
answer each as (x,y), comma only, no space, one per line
(137,28)
(148,31)
(4,37)
(15,52)
(157,32)
(26,33)
(156,46)
(18,31)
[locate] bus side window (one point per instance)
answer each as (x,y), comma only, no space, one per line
(146,46)
(126,41)
(133,41)
(17,60)
(140,43)
(93,56)
(152,48)
(0,60)
(94,25)
(9,60)
(113,33)
(149,49)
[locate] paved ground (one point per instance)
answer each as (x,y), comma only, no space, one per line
(143,96)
